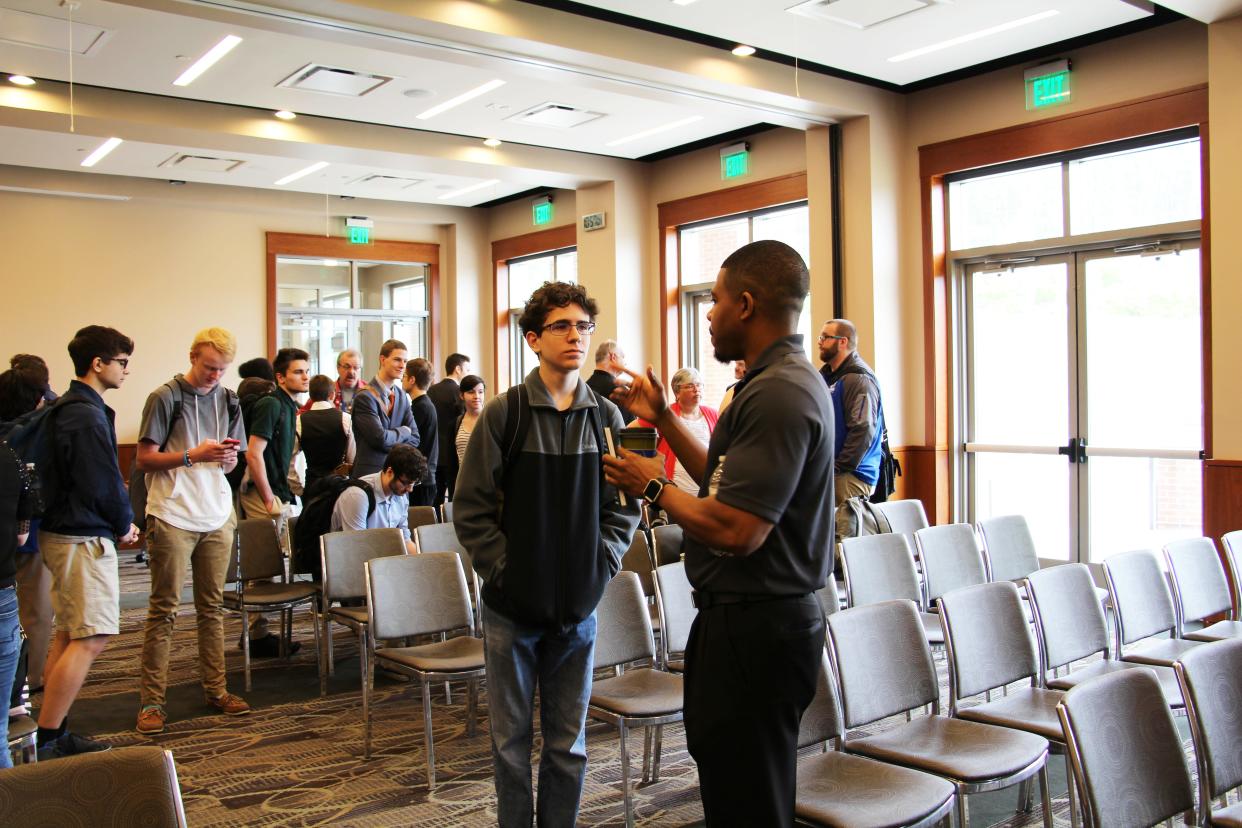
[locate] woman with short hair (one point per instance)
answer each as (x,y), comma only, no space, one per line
(700,419)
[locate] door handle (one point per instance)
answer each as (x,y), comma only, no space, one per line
(1070,450)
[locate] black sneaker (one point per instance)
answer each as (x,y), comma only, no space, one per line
(70,744)
(269,646)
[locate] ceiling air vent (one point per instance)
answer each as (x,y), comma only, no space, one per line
(38,30)
(333,80)
(184,162)
(557,116)
(858,14)
(385,183)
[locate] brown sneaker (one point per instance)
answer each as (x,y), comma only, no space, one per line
(230,705)
(151,719)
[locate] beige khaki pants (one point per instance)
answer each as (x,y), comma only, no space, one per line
(86,584)
(845,486)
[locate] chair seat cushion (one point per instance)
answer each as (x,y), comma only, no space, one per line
(1163,651)
(21,727)
(457,655)
(639,693)
(1219,631)
(932,628)
(842,790)
(1231,817)
(1027,708)
(678,667)
(268,592)
(965,751)
(1168,679)
(357,615)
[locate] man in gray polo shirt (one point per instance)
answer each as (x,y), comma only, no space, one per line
(758,538)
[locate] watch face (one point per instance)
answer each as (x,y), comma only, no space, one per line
(654,487)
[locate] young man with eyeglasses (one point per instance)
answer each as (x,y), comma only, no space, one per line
(188,441)
(545,534)
(403,468)
(87,513)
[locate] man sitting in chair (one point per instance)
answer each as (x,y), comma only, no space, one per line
(403,468)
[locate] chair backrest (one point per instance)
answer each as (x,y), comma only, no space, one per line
(822,719)
(1198,577)
(134,786)
(623,625)
(637,559)
(1126,753)
(446,511)
(442,537)
(1232,542)
(1068,615)
(951,558)
(1209,676)
(882,661)
(256,552)
(904,516)
(677,612)
(987,637)
(1140,596)
(343,554)
(417,595)
(879,568)
(668,539)
(422,516)
(829,598)
(1008,547)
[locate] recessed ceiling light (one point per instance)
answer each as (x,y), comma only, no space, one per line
(966,38)
(460,99)
(742,50)
(682,2)
(285,115)
(100,151)
(654,131)
(208,60)
(455,193)
(316,167)
(21,80)
(492,142)
(418,93)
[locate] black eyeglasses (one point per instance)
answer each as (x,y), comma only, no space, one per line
(822,337)
(124,361)
(561,327)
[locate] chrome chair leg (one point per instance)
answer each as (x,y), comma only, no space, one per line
(655,759)
(625,776)
(963,814)
(431,750)
(246,648)
(368,681)
(1046,792)
(472,705)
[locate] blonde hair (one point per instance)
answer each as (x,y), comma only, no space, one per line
(218,338)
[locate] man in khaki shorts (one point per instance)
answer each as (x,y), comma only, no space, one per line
(87,511)
(188,441)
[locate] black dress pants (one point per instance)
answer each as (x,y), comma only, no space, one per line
(750,673)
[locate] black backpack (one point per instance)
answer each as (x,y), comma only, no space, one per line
(246,402)
(316,520)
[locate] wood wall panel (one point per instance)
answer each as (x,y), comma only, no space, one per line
(1222,497)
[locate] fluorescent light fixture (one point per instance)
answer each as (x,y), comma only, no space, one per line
(742,50)
(285,115)
(492,142)
(966,38)
(330,263)
(654,131)
(100,151)
(455,193)
(682,2)
(208,60)
(316,167)
(21,80)
(66,193)
(460,99)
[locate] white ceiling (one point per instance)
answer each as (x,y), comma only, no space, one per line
(141,46)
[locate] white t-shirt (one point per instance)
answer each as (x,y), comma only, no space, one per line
(699,430)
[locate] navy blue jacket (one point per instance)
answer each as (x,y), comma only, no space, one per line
(84,491)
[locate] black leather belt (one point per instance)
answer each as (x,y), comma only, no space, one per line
(707,600)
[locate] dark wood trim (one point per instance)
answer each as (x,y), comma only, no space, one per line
(758,195)
(1144,116)
(330,247)
(540,241)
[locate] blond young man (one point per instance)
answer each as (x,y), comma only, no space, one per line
(189,440)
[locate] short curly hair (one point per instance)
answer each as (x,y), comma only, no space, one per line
(551,295)
(406,462)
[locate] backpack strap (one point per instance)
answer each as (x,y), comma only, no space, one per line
(518,418)
(177,405)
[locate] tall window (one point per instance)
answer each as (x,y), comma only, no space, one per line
(703,246)
(327,305)
(1078,282)
(525,275)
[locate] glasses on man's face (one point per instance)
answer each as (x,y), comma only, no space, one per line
(826,337)
(122,361)
(561,327)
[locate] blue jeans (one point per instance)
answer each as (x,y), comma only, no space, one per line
(10,648)
(519,657)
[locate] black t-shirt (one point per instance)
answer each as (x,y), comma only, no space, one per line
(16,507)
(427,419)
(771,455)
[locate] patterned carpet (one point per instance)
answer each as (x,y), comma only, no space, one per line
(297,759)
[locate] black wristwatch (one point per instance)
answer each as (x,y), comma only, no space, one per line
(655,488)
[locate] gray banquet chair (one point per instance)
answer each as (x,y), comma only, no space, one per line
(951,559)
(422,516)
(1129,765)
(905,517)
(1142,608)
(881,568)
(675,600)
(1211,679)
(884,667)
(442,537)
(667,540)
(1008,548)
(1200,590)
(1232,543)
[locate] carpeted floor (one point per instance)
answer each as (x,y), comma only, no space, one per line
(297,759)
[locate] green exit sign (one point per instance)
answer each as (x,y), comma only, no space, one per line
(541,211)
(359,235)
(1048,85)
(735,165)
